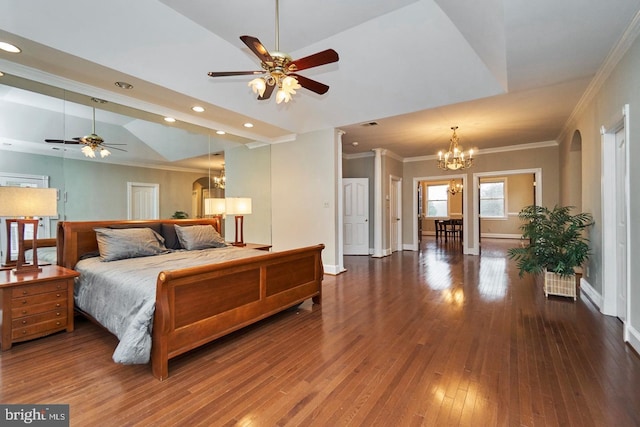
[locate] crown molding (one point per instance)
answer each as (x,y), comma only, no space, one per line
(483,151)
(610,63)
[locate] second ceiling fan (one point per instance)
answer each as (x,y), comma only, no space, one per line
(92,142)
(280,70)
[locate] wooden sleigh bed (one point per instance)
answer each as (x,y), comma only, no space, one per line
(196,305)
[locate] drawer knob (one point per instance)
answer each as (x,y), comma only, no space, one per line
(24,322)
(24,311)
(24,292)
(58,295)
(57,323)
(57,313)
(58,305)
(24,301)
(24,332)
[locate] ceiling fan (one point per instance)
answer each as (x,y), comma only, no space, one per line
(92,142)
(280,69)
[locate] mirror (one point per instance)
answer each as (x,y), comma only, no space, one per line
(154,169)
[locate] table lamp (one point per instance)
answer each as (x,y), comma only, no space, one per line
(238,206)
(215,206)
(27,203)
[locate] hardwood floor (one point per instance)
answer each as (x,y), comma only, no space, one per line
(417,338)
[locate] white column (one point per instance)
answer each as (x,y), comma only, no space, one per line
(377,204)
(340,260)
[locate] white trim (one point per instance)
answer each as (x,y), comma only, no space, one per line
(332,269)
(508,148)
(501,235)
(634,338)
(592,294)
(377,203)
(609,252)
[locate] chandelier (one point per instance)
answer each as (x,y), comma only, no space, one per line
(454,158)
(455,187)
(220,181)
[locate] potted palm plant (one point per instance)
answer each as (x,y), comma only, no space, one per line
(556,245)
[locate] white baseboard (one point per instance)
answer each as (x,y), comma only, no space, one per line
(633,336)
(333,270)
(409,247)
(501,235)
(591,293)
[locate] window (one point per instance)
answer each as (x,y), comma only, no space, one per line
(492,199)
(437,201)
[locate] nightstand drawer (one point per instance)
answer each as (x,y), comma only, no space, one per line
(26,321)
(39,329)
(25,291)
(31,309)
(51,297)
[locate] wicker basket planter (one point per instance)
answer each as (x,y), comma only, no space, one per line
(555,284)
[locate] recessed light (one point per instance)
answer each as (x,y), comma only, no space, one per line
(248,125)
(169,119)
(8,47)
(198,109)
(220,132)
(124,85)
(1,74)
(355,143)
(99,101)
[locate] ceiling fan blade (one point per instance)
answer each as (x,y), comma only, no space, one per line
(114,148)
(61,141)
(257,48)
(233,73)
(267,92)
(312,85)
(321,58)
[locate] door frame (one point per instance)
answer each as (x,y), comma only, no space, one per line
(395,198)
(609,214)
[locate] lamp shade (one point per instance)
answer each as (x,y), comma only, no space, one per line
(29,202)
(214,206)
(238,205)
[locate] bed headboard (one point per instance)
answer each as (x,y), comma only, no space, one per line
(78,238)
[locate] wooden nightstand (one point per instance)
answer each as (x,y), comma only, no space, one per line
(35,304)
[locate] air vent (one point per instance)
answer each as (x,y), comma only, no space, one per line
(370,124)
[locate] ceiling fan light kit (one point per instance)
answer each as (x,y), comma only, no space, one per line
(279,70)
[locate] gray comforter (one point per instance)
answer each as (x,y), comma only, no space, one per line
(121,294)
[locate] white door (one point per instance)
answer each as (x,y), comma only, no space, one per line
(395,215)
(621,226)
(143,201)
(356,215)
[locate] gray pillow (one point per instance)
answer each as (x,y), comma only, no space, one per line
(122,243)
(199,237)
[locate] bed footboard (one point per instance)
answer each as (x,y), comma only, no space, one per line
(197,305)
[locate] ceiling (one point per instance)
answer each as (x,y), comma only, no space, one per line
(505,72)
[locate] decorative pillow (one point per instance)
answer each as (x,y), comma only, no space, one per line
(170,237)
(122,243)
(199,237)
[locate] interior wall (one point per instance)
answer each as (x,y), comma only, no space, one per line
(520,191)
(304,193)
(545,157)
(622,86)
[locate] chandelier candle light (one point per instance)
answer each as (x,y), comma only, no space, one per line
(455,187)
(454,158)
